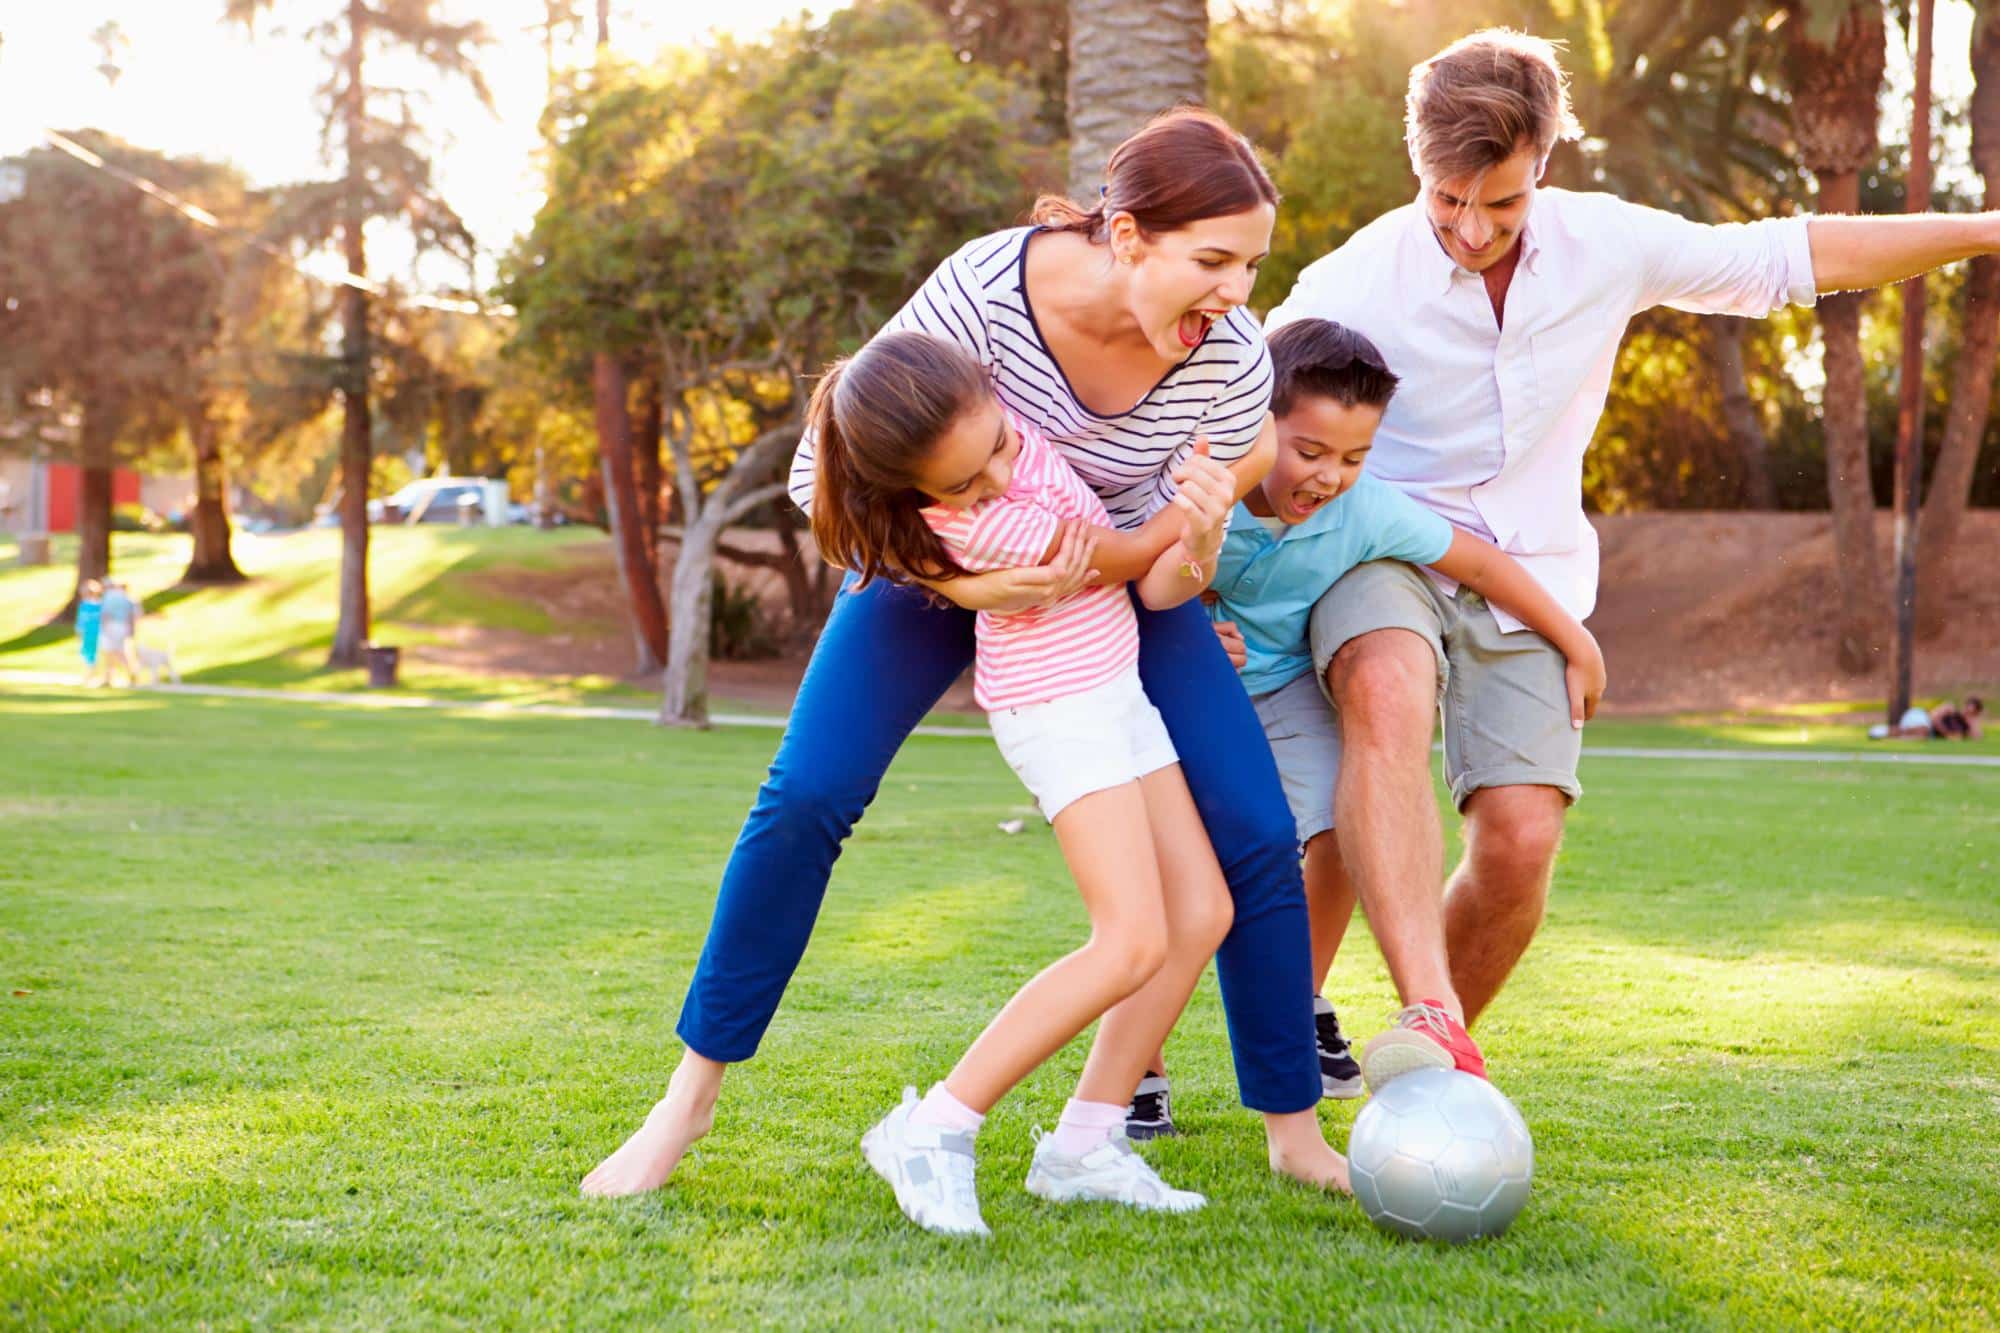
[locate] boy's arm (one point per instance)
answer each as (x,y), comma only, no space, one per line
(1494,575)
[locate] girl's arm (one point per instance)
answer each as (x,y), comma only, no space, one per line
(1083,554)
(1490,572)
(1006,592)
(1207,491)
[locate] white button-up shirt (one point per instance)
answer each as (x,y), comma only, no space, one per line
(1490,424)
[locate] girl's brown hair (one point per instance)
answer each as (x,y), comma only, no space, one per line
(1186,165)
(876,416)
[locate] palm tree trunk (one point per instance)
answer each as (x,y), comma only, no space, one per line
(1834,90)
(1909,473)
(1964,431)
(356,429)
(1127,63)
(1972,379)
(1857,566)
(1739,413)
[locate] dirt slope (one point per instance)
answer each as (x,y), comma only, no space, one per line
(1697,611)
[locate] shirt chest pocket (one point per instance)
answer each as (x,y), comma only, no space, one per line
(1565,359)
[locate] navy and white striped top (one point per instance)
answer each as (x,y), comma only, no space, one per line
(978,299)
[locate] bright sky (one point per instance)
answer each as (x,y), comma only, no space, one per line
(192,84)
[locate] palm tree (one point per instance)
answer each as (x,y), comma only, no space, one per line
(383,173)
(1835,52)
(1129,60)
(1972,378)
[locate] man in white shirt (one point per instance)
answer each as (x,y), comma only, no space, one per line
(1501,306)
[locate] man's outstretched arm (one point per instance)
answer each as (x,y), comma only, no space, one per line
(1850,252)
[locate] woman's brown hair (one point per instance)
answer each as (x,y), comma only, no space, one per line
(1185,166)
(876,416)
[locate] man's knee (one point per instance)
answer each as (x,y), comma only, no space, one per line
(1512,836)
(1385,684)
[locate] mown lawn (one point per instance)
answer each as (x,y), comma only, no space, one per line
(318,1015)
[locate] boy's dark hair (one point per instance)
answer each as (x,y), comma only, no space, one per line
(1318,356)
(1973,704)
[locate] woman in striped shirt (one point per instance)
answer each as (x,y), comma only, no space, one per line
(1119,333)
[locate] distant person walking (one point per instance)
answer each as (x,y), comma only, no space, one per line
(89,616)
(118,616)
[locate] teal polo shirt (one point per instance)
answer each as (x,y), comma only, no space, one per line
(1267,585)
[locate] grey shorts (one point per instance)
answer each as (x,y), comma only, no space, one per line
(1502,697)
(1305,740)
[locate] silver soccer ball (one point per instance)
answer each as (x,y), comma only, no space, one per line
(1441,1155)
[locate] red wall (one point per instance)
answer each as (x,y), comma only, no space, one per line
(66,489)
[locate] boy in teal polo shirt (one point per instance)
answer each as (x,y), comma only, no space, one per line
(1316,516)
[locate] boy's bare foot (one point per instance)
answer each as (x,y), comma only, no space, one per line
(1298,1149)
(644,1161)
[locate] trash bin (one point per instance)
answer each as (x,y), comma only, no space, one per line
(382,660)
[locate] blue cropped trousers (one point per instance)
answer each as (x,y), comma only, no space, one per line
(886,656)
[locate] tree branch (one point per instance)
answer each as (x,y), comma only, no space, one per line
(743,504)
(753,463)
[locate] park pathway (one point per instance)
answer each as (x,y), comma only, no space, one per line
(1715,754)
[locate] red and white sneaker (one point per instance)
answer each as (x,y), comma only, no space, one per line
(1425,1036)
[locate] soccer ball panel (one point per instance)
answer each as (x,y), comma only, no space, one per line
(1408,1189)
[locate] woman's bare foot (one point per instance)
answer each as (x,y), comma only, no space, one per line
(1298,1149)
(644,1161)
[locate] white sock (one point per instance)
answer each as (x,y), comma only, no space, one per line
(943,1111)
(1087,1125)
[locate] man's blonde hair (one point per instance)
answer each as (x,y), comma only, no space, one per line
(1481,100)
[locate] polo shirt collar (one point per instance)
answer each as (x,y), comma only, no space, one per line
(1327,518)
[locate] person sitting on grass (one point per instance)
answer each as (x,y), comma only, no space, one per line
(1316,516)
(923,475)
(1946,722)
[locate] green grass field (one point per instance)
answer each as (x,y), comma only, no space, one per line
(318,1015)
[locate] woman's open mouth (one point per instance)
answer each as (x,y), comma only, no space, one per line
(1194,326)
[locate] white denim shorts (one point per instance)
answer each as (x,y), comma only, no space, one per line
(1093,741)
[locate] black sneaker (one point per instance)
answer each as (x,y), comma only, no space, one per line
(1151,1114)
(1339,1075)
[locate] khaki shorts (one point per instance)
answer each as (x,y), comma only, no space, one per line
(1305,740)
(1502,696)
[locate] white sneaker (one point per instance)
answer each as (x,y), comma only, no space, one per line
(929,1168)
(1112,1172)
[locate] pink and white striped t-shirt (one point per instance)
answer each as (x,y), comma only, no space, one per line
(1087,639)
